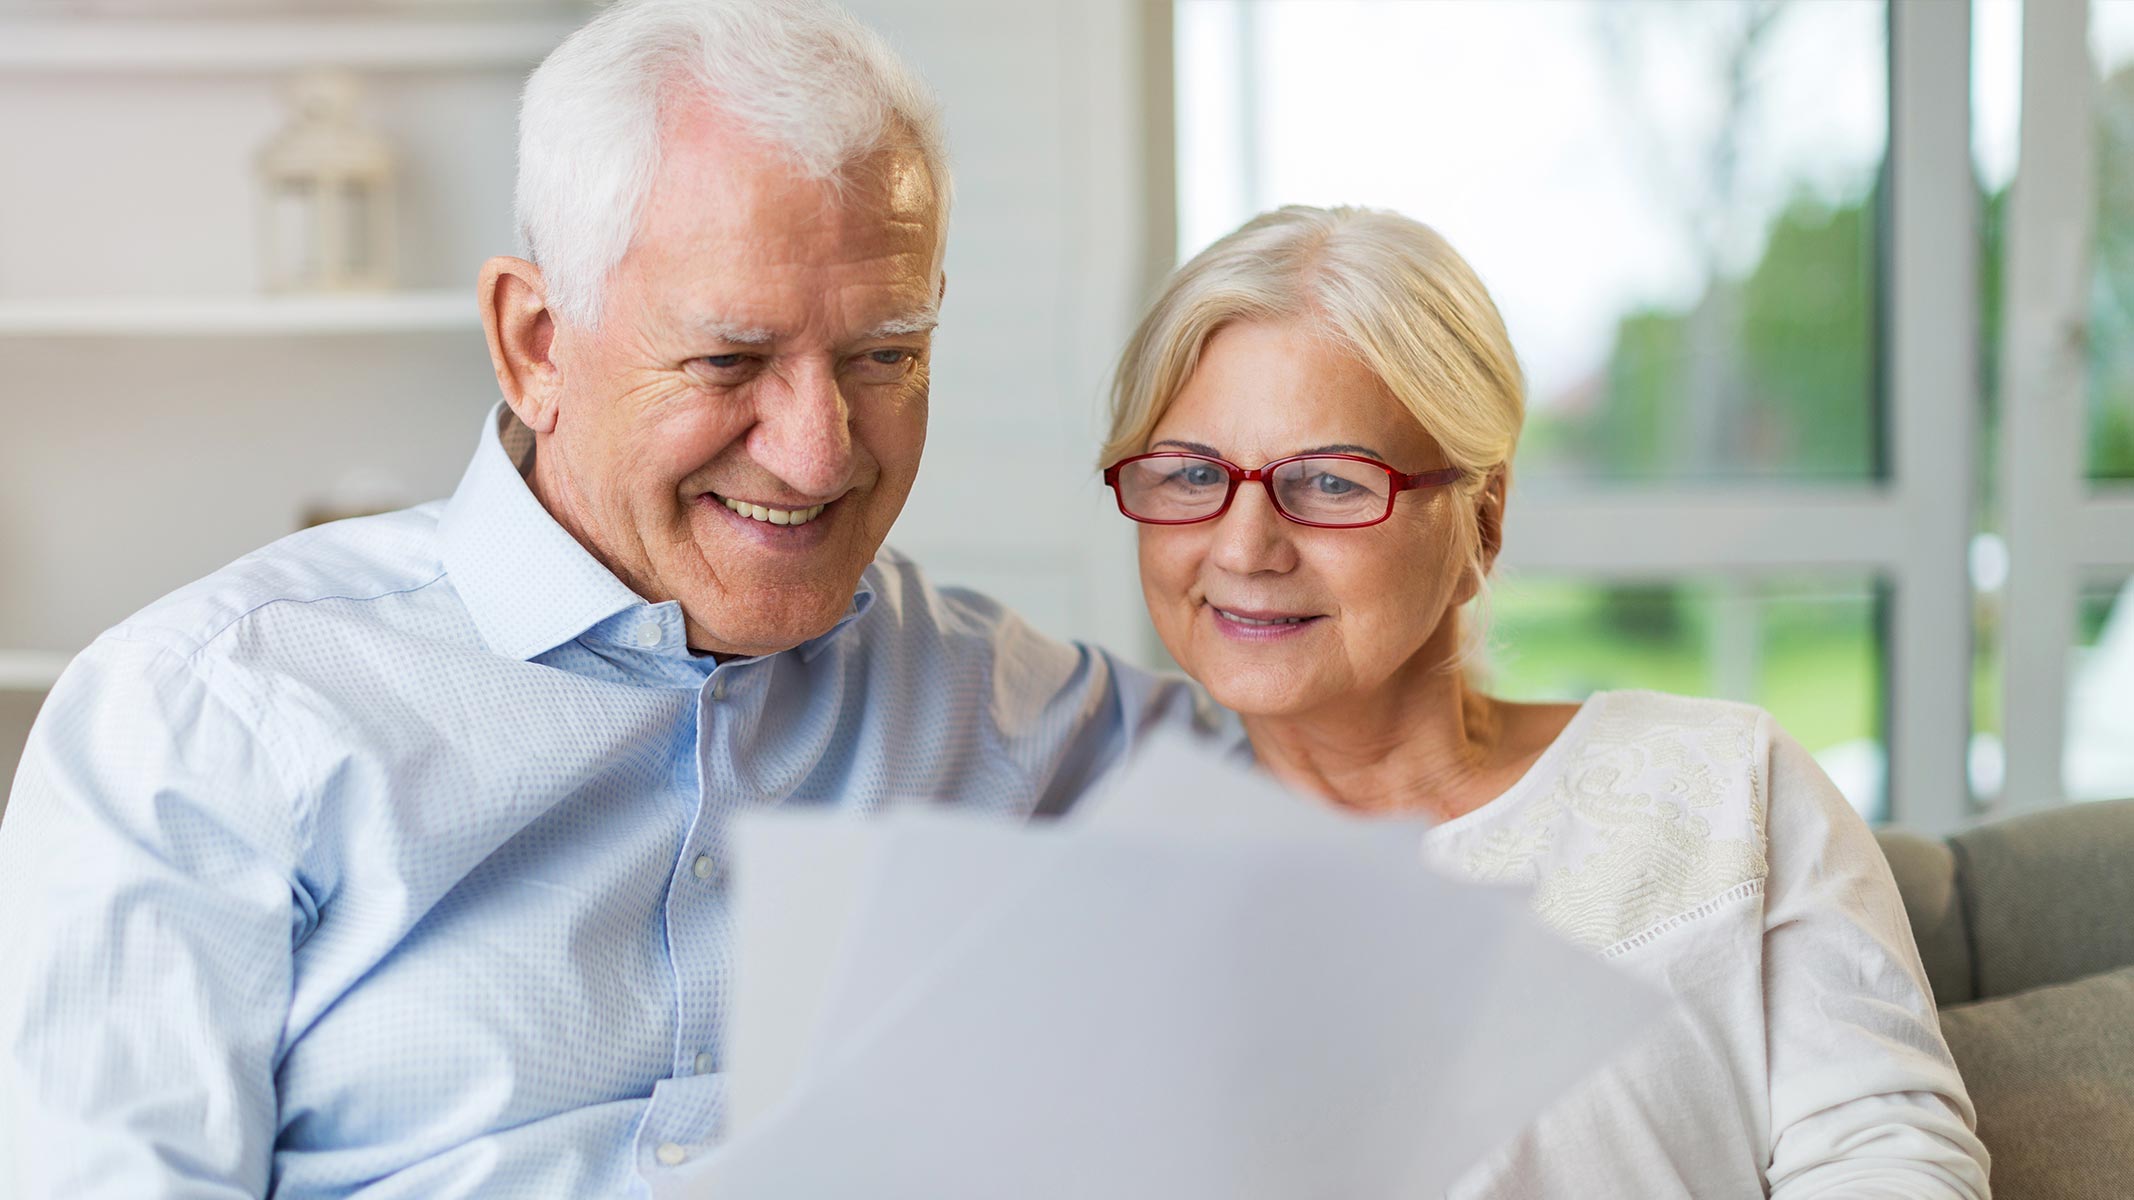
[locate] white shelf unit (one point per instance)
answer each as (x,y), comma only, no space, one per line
(280,43)
(135,341)
(438,311)
(31,671)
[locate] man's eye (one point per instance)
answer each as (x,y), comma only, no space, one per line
(723,362)
(889,358)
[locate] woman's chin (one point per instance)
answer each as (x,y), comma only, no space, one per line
(1260,692)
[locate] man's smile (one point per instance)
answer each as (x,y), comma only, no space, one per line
(771,514)
(779,527)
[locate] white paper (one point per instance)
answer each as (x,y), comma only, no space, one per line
(937,880)
(799,879)
(1175,786)
(1284,1003)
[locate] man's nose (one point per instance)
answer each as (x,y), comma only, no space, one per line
(1252,537)
(803,432)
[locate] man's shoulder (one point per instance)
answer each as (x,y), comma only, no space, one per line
(965,633)
(909,605)
(354,562)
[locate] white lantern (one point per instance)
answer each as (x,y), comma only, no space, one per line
(327,190)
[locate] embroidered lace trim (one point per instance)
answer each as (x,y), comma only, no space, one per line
(1656,819)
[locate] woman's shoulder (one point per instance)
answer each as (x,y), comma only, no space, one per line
(1651,807)
(1669,714)
(1706,758)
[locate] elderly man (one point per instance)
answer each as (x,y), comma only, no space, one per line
(391,860)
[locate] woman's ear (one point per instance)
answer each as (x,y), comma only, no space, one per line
(1489,518)
(522,332)
(1489,537)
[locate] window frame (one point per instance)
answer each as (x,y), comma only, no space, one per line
(2062,529)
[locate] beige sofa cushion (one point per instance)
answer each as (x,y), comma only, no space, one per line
(2052,1073)
(2047,896)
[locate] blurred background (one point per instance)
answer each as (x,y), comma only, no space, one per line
(1826,308)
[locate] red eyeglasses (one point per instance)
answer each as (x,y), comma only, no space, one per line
(1326,491)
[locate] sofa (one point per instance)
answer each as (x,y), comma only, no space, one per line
(2026,928)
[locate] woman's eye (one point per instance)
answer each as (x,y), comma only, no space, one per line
(1334,485)
(1200,476)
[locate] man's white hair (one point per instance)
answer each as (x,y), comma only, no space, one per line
(802,76)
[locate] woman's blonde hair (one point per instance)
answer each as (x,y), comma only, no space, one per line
(1384,285)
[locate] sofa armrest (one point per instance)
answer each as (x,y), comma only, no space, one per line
(1925,869)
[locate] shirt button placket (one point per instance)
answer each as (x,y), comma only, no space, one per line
(704,870)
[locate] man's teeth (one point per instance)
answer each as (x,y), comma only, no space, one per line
(1231,616)
(774,516)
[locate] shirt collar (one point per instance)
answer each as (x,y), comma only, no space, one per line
(526,582)
(528,585)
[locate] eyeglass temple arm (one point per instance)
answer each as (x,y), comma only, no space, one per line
(1437,478)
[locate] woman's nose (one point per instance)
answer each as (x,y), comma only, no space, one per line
(1252,537)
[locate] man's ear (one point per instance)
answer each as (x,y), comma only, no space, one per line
(521,332)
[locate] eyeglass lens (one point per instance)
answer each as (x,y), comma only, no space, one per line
(1325,491)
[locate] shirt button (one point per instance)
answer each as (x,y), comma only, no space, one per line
(704,1063)
(648,634)
(671,1154)
(703,867)
(718,689)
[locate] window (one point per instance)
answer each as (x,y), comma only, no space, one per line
(1804,648)
(2111,325)
(1674,205)
(2059,317)
(2099,760)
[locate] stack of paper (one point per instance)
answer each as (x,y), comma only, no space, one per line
(1201,987)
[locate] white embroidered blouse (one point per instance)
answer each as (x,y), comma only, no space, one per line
(1695,844)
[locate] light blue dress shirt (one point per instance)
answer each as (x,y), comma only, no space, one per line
(391,860)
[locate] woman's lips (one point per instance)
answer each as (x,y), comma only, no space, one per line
(1258,625)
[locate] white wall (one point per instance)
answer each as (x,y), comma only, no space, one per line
(1046,274)
(131,465)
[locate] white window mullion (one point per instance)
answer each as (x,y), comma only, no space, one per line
(1932,307)
(2104,530)
(1648,533)
(2049,222)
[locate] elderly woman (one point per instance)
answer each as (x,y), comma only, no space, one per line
(1314,426)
